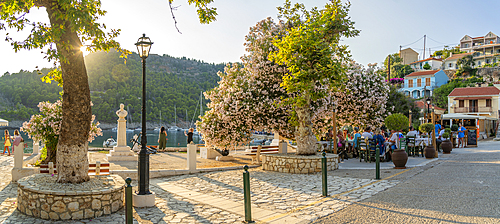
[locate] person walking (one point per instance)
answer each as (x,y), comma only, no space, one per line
(162,139)
(189,135)
(6,143)
(461,135)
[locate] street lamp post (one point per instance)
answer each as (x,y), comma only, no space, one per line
(143,46)
(428,100)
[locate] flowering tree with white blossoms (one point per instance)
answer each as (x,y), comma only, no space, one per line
(46,127)
(363,102)
(282,94)
(316,61)
(248,98)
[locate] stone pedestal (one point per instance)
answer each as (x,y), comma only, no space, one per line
(208,153)
(191,156)
(121,152)
(147,200)
(282,147)
(36,148)
(18,155)
(276,139)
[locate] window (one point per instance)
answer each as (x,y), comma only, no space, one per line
(498,51)
(460,103)
(487,61)
(466,45)
(488,102)
(427,81)
(449,65)
(410,83)
(419,82)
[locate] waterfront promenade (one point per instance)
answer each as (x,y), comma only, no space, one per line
(463,187)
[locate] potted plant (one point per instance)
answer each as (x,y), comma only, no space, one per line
(398,122)
(446,145)
(429,151)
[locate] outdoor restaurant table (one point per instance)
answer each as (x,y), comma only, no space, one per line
(422,141)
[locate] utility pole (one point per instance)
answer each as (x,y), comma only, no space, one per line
(400,56)
(423,57)
(389,66)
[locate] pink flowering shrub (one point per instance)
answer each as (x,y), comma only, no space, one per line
(46,126)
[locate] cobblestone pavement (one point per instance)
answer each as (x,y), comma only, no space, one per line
(297,195)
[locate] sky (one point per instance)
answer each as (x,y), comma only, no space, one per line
(385,26)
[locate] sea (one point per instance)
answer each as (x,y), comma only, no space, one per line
(174,139)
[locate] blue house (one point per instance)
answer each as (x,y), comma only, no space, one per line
(421,84)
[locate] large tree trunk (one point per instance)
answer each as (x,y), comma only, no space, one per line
(72,161)
(306,141)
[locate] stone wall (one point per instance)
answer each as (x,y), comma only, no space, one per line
(57,204)
(291,163)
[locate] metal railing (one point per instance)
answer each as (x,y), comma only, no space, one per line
(472,109)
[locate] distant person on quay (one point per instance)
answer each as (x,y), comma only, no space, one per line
(461,135)
(162,140)
(189,135)
(6,143)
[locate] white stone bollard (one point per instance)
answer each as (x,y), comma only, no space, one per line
(18,155)
(282,148)
(97,168)
(191,156)
(51,168)
(36,148)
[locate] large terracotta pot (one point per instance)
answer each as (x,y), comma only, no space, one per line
(429,152)
(446,145)
(399,158)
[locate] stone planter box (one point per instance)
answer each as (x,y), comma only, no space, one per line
(35,199)
(291,163)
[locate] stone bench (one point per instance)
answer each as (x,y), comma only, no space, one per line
(94,168)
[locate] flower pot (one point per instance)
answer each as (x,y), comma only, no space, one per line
(429,152)
(446,145)
(399,158)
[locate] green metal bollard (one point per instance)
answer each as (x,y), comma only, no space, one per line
(324,173)
(246,195)
(129,219)
(377,165)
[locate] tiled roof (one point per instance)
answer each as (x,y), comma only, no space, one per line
(423,105)
(475,91)
(457,56)
(478,37)
(428,72)
(428,59)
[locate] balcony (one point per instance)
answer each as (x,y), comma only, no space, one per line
(472,109)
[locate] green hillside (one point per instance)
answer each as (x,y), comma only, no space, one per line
(170,81)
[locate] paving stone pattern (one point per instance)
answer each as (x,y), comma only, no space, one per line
(280,192)
(283,192)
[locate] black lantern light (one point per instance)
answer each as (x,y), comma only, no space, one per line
(143,47)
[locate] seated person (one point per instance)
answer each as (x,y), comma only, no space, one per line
(357,136)
(439,138)
(380,140)
(366,134)
(412,132)
(341,145)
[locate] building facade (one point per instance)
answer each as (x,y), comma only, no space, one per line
(421,84)
(451,62)
(408,56)
(435,64)
(482,101)
(485,49)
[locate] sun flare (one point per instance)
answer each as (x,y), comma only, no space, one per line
(83,49)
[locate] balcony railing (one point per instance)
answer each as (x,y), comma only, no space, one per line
(472,109)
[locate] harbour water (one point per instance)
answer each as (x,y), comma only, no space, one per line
(175,139)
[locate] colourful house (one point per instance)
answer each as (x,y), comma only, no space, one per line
(421,84)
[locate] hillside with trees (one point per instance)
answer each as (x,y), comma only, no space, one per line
(169,82)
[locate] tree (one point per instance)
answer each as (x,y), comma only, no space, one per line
(399,70)
(466,66)
(440,94)
(447,51)
(363,103)
(315,60)
(71,23)
(394,60)
(397,102)
(427,66)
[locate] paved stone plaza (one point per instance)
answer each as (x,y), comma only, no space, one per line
(216,197)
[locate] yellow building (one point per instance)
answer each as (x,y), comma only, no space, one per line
(408,56)
(478,101)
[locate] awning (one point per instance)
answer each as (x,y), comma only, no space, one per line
(473,98)
(465,116)
(4,122)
